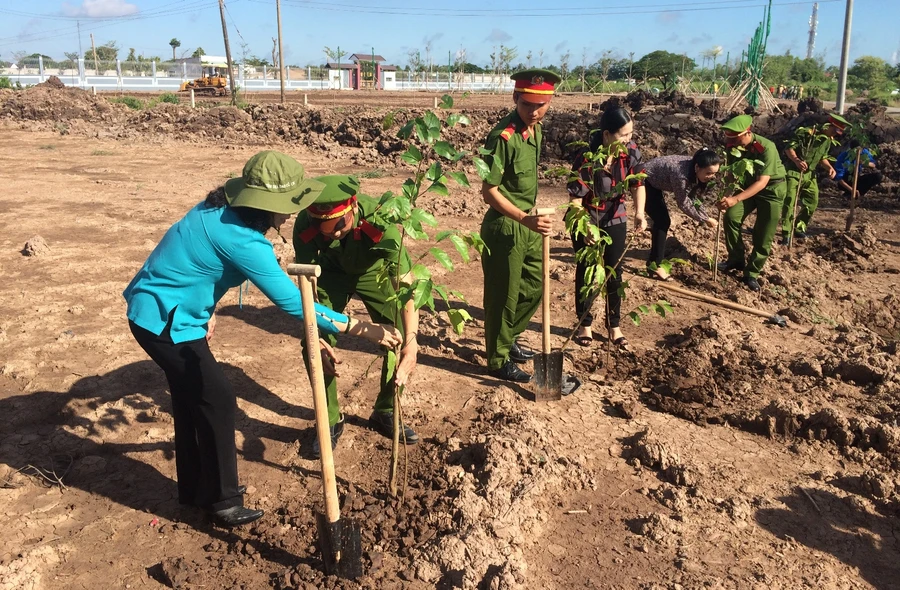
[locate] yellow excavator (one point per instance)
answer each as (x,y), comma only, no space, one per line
(210,83)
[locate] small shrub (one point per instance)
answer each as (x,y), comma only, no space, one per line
(47,147)
(101,153)
(129,101)
(5,83)
(169,97)
(377,173)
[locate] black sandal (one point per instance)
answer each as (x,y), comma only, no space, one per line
(583,340)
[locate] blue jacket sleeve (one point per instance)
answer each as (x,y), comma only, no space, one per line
(255,258)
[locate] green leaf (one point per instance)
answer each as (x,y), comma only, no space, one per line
(460,178)
(406,131)
(420,272)
(446,102)
(457,119)
(461,247)
(665,305)
(635,317)
(439,188)
(445,150)
(483,169)
(442,291)
(385,198)
(414,229)
(412,156)
(388,121)
(410,190)
(643,309)
(475,241)
(442,257)
(422,296)
(434,172)
(458,318)
(422,216)
(459,296)
(444,234)
(422,131)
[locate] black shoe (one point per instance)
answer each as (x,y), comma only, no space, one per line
(729,265)
(520,354)
(800,235)
(752,284)
(510,372)
(785,240)
(336,431)
(242,490)
(383,422)
(236,516)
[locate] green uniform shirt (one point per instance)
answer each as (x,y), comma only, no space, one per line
(765,152)
(812,155)
(355,254)
(513,160)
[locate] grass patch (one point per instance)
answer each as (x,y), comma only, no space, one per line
(47,147)
(101,153)
(377,173)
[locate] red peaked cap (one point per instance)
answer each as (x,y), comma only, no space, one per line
(536,85)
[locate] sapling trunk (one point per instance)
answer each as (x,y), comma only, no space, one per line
(716,248)
(853,192)
(794,218)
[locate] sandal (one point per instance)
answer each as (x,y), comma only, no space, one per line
(620,342)
(656,277)
(584,339)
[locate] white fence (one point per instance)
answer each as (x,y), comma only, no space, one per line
(153,77)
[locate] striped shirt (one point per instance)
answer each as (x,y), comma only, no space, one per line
(607,208)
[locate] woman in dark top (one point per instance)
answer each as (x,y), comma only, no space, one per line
(687,178)
(595,190)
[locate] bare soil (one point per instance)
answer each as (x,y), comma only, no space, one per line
(719,452)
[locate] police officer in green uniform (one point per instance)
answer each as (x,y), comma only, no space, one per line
(513,268)
(338,234)
(763,192)
(812,149)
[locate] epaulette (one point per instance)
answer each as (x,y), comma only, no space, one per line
(370,230)
(757,147)
(508,132)
(307,235)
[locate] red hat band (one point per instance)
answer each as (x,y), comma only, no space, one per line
(839,125)
(535,85)
(325,212)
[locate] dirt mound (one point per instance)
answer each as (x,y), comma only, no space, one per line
(58,106)
(855,247)
(880,127)
(810,104)
(52,82)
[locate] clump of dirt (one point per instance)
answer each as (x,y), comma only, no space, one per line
(438,535)
(646,449)
(52,82)
(36,246)
(855,247)
(810,104)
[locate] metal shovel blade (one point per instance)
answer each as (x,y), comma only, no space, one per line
(548,368)
(341,546)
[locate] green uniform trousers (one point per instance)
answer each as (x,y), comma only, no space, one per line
(335,290)
(809,200)
(767,203)
(512,283)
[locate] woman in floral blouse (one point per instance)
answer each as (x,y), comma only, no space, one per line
(687,178)
(595,190)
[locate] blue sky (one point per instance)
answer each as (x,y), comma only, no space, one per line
(394,27)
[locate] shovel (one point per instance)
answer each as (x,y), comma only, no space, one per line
(340,540)
(548,365)
(775,319)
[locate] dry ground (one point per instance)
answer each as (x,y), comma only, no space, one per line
(721,452)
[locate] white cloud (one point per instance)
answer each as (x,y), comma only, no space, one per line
(101,9)
(499,35)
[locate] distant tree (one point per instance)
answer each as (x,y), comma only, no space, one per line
(175,43)
(607,60)
(869,73)
(663,66)
(199,52)
(564,60)
(109,51)
(131,55)
(528,58)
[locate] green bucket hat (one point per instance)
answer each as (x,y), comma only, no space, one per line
(272,181)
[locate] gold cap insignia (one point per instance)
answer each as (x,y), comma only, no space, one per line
(537,80)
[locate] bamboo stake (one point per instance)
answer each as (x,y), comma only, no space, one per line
(853,192)
(716,249)
(794,218)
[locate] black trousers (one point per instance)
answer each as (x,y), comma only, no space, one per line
(203,405)
(658,213)
(864,183)
(611,256)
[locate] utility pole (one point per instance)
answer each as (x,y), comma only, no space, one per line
(94,49)
(228,53)
(280,50)
(845,57)
(78,25)
(813,25)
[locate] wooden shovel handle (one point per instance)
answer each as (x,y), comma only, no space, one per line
(716,301)
(307,270)
(545,283)
(320,404)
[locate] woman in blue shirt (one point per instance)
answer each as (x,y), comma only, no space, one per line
(218,245)
(844,171)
